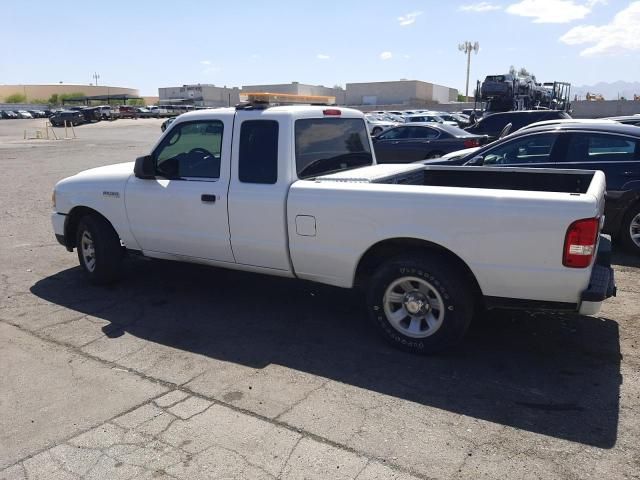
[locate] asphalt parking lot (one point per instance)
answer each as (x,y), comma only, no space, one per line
(187,372)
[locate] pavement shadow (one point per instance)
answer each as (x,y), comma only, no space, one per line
(550,374)
(625,259)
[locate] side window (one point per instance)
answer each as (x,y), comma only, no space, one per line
(587,147)
(532,149)
(394,133)
(258,152)
(421,133)
(191,150)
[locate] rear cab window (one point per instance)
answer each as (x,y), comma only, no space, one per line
(328,145)
(258,159)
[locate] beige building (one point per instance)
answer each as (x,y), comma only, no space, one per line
(402,92)
(296,88)
(44,92)
(202,95)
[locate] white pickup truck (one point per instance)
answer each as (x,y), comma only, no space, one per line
(295,192)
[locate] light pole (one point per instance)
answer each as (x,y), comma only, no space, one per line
(467,48)
(96,77)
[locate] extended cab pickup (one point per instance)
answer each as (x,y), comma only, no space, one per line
(295,192)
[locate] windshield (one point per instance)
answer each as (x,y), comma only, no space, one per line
(328,145)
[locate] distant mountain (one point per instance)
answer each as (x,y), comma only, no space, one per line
(610,91)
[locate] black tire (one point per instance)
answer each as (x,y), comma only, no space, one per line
(108,252)
(625,230)
(449,281)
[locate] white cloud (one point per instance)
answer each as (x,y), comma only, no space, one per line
(205,62)
(408,19)
(386,55)
(323,56)
(479,7)
(621,35)
(553,11)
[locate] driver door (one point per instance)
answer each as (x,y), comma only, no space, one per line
(183,211)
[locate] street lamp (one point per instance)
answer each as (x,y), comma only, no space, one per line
(467,48)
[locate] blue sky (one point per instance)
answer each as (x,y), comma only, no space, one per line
(146,45)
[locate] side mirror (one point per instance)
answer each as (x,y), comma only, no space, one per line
(144,168)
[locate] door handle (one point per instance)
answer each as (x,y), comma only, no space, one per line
(631,174)
(208,198)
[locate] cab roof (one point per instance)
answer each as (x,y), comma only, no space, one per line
(298,111)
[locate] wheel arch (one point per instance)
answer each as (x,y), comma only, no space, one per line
(392,247)
(72,220)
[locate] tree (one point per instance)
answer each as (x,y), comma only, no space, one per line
(53,99)
(16,98)
(40,101)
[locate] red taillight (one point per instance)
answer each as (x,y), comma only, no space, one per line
(332,111)
(472,142)
(580,243)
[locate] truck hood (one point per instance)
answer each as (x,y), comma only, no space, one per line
(108,172)
(370,174)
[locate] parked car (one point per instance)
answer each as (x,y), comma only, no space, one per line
(626,119)
(310,202)
(104,111)
(24,114)
(8,114)
(144,112)
(499,86)
(378,124)
(424,118)
(493,124)
(413,142)
(612,148)
(452,119)
(91,114)
(73,118)
(125,111)
(37,113)
(562,121)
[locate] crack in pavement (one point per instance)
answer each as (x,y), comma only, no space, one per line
(173,386)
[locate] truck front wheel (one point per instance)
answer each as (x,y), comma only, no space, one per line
(99,250)
(421,304)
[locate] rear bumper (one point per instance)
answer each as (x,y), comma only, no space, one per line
(602,284)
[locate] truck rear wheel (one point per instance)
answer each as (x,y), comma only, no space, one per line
(99,250)
(421,304)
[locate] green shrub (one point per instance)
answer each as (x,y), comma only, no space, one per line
(16,98)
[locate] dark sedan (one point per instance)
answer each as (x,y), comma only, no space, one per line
(609,147)
(627,119)
(494,123)
(418,141)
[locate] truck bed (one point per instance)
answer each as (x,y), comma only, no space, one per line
(534,180)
